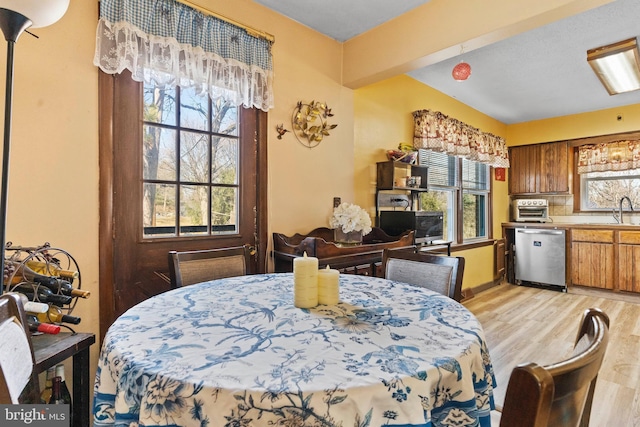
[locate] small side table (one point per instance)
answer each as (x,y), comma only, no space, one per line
(49,350)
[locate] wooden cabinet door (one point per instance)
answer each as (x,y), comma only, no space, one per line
(629,268)
(524,172)
(554,167)
(592,264)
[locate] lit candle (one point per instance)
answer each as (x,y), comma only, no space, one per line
(305,281)
(328,286)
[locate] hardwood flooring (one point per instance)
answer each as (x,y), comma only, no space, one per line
(524,324)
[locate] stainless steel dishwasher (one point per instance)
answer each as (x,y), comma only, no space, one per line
(540,257)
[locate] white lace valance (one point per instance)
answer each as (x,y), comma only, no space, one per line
(166,43)
(438,132)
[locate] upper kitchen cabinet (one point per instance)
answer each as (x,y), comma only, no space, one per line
(540,169)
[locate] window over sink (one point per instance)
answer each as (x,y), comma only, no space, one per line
(602,191)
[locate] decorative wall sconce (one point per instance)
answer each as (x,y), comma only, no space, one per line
(309,123)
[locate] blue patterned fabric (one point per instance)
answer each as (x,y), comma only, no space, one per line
(236,352)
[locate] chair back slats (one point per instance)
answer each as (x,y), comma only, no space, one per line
(189,267)
(573,382)
(439,273)
(18,379)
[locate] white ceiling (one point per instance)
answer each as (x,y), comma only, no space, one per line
(535,75)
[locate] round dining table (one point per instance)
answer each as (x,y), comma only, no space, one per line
(236,352)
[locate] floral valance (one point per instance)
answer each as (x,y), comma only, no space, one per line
(609,156)
(438,132)
(167,43)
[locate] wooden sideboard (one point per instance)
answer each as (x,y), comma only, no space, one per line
(364,259)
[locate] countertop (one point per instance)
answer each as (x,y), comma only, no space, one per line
(566,225)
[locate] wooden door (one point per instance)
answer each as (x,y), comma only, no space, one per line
(134,267)
(554,167)
(524,172)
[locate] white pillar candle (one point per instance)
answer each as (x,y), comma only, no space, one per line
(305,281)
(328,286)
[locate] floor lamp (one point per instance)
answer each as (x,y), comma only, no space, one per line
(15,17)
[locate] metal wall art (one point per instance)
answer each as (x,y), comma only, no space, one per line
(309,122)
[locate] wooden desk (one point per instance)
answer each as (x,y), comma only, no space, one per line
(50,350)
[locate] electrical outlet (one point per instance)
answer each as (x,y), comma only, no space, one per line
(393,200)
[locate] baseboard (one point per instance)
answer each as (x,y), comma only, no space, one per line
(469,293)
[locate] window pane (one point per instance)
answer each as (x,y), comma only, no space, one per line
(443,201)
(474,210)
(159,153)
(224,118)
(194,110)
(159,105)
(442,168)
(224,210)
(194,157)
(159,210)
(603,190)
(224,162)
(475,176)
(194,208)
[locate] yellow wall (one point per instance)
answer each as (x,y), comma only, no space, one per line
(583,125)
(383,119)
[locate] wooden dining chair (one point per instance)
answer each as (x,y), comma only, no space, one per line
(560,394)
(440,273)
(18,378)
(189,267)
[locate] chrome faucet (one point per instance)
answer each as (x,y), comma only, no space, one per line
(620,209)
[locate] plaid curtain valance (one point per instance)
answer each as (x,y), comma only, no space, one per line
(166,43)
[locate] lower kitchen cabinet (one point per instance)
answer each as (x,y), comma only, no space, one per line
(592,258)
(629,261)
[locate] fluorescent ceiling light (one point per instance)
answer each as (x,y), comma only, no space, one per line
(617,66)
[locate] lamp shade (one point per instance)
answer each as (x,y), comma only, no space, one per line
(41,12)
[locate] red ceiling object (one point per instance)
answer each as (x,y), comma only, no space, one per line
(461,72)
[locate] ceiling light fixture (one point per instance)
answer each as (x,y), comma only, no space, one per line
(617,66)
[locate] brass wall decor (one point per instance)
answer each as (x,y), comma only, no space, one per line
(309,123)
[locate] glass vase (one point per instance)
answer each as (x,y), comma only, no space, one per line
(351,238)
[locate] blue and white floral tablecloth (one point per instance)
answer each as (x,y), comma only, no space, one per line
(236,352)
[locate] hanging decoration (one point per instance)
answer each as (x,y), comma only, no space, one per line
(461,71)
(309,123)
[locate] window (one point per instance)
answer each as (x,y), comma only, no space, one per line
(461,189)
(602,191)
(190,164)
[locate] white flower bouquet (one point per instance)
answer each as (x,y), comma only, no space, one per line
(350,217)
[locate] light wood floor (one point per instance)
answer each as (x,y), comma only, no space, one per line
(524,324)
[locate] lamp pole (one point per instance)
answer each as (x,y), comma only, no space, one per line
(12,25)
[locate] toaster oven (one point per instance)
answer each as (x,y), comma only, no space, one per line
(531,210)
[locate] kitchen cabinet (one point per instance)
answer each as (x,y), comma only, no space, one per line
(540,169)
(629,261)
(592,258)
